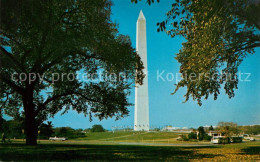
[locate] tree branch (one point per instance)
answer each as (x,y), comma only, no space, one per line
(11,38)
(6,53)
(12,84)
(55,97)
(7,97)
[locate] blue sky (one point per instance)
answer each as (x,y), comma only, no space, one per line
(167,109)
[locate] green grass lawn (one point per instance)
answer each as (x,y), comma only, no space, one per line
(155,137)
(135,137)
(107,146)
(104,135)
(81,152)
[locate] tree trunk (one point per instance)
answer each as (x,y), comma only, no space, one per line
(30,121)
(31,129)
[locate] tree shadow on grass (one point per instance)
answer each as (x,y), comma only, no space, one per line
(21,152)
(254,150)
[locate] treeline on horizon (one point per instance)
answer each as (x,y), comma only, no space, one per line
(15,129)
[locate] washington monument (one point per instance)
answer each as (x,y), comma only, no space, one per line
(141,91)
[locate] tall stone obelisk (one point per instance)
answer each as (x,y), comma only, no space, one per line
(141,91)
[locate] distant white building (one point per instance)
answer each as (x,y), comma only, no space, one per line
(215,133)
(177,129)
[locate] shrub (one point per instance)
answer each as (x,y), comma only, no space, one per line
(193,140)
(157,129)
(97,128)
(207,137)
(184,138)
(224,140)
(192,135)
(236,139)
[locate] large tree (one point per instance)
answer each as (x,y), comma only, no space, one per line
(45,43)
(228,128)
(219,35)
(2,122)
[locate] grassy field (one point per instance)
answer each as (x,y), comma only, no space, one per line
(71,152)
(129,136)
(106,147)
(143,137)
